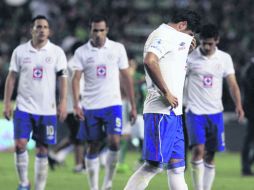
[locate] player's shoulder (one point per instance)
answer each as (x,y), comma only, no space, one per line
(223,54)
(22,46)
(82,49)
(115,44)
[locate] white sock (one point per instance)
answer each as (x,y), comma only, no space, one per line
(197,174)
(209,176)
(41,172)
(111,160)
(176,179)
(92,168)
(103,157)
(61,154)
(141,178)
(21,161)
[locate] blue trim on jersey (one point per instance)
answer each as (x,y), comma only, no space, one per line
(100,122)
(164,139)
(44,127)
(206,129)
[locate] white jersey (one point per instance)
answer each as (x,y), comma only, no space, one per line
(37,77)
(171,47)
(101,73)
(205,79)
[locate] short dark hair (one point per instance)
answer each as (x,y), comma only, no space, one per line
(193,19)
(98,18)
(39,17)
(209,31)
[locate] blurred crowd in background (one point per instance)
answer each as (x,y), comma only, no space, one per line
(130,23)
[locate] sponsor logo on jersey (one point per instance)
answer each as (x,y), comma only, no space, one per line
(27,60)
(37,73)
(181,46)
(101,71)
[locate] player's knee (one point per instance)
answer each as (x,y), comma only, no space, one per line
(20,146)
(178,170)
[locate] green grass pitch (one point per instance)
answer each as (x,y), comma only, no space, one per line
(228,175)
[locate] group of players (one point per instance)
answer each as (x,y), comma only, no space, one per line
(170,53)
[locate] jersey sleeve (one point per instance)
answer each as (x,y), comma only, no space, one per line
(76,63)
(62,61)
(14,64)
(159,46)
(123,59)
(228,66)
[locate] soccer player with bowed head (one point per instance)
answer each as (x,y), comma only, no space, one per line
(207,66)
(101,60)
(165,54)
(37,63)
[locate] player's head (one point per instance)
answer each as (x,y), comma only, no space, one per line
(187,21)
(40,28)
(98,30)
(209,38)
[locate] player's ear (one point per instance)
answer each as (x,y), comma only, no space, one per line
(107,29)
(217,40)
(182,26)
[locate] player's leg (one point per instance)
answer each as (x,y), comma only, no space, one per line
(209,170)
(196,132)
(44,133)
(141,178)
(215,142)
(92,132)
(22,130)
(79,148)
(176,165)
(113,125)
(41,166)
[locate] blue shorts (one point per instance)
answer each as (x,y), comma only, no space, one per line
(206,129)
(164,138)
(100,122)
(44,127)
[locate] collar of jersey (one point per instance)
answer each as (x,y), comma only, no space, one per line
(31,48)
(214,55)
(106,45)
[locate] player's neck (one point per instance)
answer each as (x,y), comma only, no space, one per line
(38,44)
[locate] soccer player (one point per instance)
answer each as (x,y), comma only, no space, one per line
(101,59)
(39,63)
(207,66)
(165,55)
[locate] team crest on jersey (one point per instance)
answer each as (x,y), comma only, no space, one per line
(208,81)
(48,60)
(101,71)
(37,73)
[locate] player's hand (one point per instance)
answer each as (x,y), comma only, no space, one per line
(61,111)
(79,113)
(240,113)
(133,115)
(172,100)
(7,112)
(193,45)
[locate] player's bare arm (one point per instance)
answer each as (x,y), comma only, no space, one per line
(75,90)
(128,85)
(236,96)
(9,87)
(62,107)
(151,63)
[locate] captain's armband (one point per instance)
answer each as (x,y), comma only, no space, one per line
(62,73)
